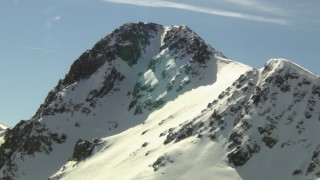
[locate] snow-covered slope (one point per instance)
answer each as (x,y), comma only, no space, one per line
(264,126)
(117,85)
(155,102)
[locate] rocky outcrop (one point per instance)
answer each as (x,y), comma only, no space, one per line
(179,40)
(26,139)
(83,149)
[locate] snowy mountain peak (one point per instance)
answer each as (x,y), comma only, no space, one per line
(136,70)
(131,51)
(148,97)
(2,127)
(284,64)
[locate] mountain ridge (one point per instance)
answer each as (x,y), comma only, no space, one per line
(145,91)
(284,63)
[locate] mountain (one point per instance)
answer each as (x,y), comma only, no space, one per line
(156,102)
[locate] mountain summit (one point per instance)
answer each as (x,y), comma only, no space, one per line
(156,102)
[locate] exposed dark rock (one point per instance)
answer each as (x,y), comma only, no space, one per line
(212,137)
(132,104)
(145,144)
(269,141)
(285,87)
(31,145)
(83,149)
(240,155)
(316,90)
(161,162)
(297,172)
(235,139)
(217,119)
(139,91)
(136,36)
(267,129)
(107,85)
(27,138)
(144,132)
(83,68)
(184,132)
(315,162)
(176,41)
(138,110)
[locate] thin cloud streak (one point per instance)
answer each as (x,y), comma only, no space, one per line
(257,6)
(211,11)
(57,18)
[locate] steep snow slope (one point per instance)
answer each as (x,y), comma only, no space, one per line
(136,72)
(139,147)
(264,126)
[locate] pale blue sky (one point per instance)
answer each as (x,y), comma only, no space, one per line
(41,38)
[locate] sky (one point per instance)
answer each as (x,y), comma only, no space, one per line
(40,39)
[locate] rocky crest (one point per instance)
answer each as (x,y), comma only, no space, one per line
(252,115)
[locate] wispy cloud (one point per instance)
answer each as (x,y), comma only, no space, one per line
(57,18)
(200,9)
(52,21)
(257,5)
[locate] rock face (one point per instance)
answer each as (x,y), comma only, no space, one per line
(83,149)
(26,139)
(127,42)
(145,91)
